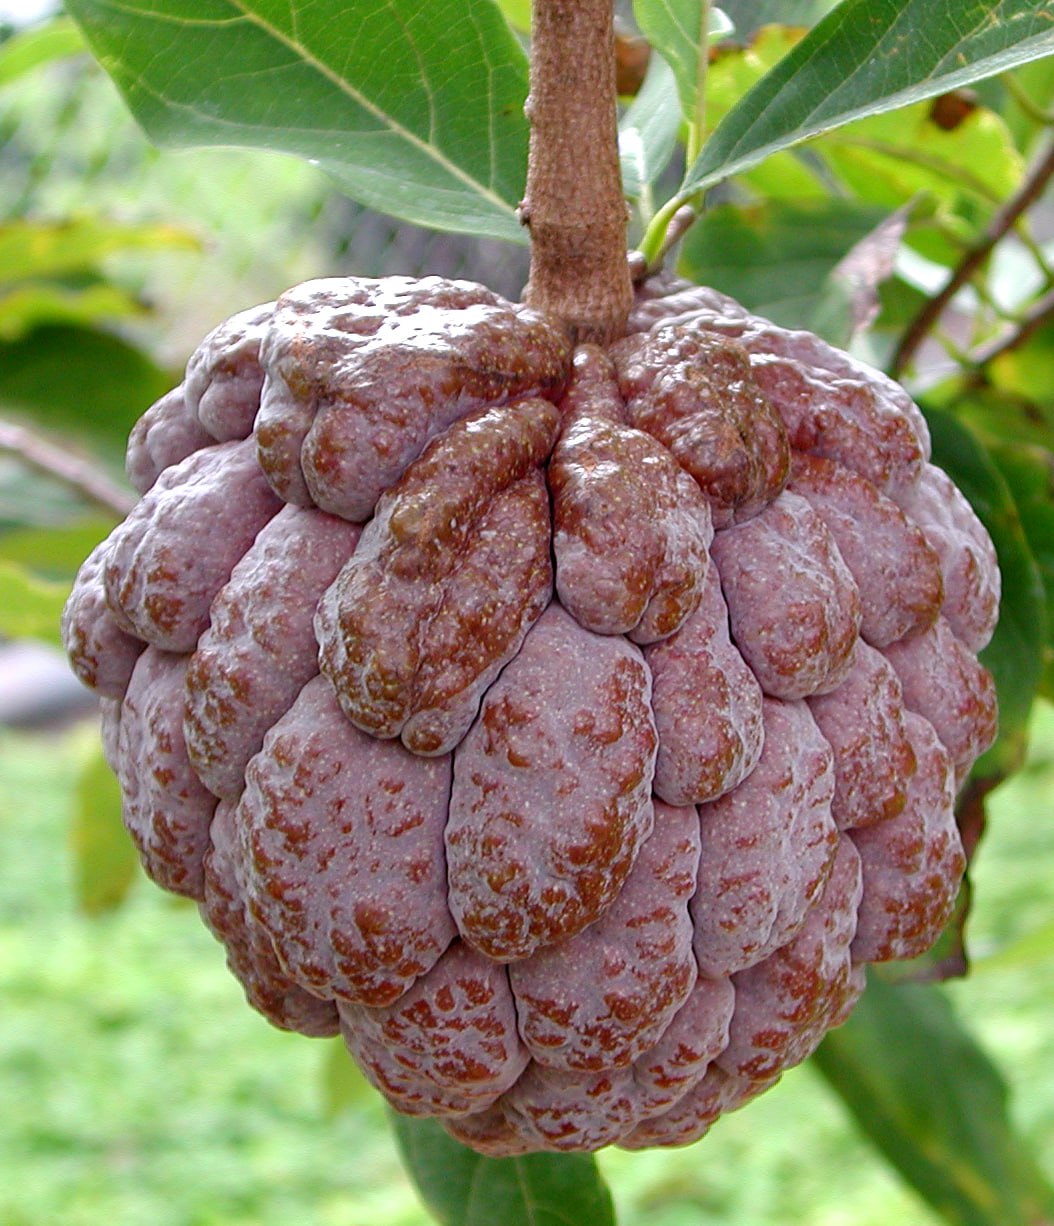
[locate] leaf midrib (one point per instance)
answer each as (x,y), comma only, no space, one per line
(431,152)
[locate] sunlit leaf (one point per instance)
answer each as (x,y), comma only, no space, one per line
(890,159)
(30,607)
(1036,82)
(866,57)
(54,552)
(463,1188)
(517,13)
(31,305)
(415,109)
(1027,370)
(935,1105)
(104,858)
(343,1085)
(38,45)
(35,249)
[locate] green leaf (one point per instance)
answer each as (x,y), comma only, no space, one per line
(80,380)
(869,56)
(29,607)
(1036,82)
(1029,472)
(35,249)
(890,159)
(749,16)
(1034,947)
(517,13)
(785,176)
(343,1085)
(934,1104)
(681,32)
(1016,654)
(414,108)
(104,857)
(36,303)
(463,1188)
(648,130)
(55,552)
(39,45)
(777,258)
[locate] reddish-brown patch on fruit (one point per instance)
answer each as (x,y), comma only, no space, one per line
(696,394)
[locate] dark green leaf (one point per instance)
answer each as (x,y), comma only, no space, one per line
(40,45)
(869,56)
(777,258)
(30,607)
(462,1188)
(105,863)
(80,380)
(935,1105)
(414,108)
(681,31)
(1016,653)
(1029,472)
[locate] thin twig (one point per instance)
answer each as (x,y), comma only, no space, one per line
(72,470)
(975,256)
(1039,313)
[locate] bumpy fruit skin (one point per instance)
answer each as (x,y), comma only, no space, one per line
(565,728)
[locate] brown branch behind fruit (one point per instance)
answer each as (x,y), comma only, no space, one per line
(975,256)
(79,474)
(574,206)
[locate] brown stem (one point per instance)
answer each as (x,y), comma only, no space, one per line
(975,256)
(79,474)
(574,206)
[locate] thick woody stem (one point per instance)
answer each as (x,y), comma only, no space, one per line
(574,206)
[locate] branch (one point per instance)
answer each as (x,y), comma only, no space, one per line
(574,205)
(77,473)
(975,256)
(1039,313)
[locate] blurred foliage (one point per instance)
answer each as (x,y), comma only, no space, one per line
(114,260)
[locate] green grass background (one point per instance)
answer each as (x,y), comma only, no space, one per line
(136,1087)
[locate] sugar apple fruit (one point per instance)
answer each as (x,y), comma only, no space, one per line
(567,728)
